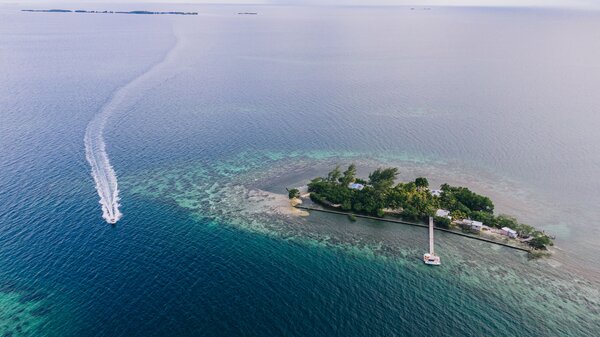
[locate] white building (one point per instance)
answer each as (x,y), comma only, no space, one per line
(511,233)
(472,224)
(355,186)
(442,213)
(476,225)
(436,193)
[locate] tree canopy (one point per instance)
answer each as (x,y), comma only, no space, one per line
(382,179)
(379,193)
(349,175)
(463,199)
(422,182)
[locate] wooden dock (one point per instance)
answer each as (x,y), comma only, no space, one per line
(412,224)
(431,228)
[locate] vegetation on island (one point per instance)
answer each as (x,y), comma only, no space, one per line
(293,193)
(380,195)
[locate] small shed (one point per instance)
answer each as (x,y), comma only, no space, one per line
(472,224)
(442,213)
(476,225)
(511,233)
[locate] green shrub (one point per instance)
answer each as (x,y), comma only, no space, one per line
(442,221)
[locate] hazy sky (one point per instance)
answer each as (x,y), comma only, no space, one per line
(512,3)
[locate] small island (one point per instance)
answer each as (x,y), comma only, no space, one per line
(451,207)
(106,12)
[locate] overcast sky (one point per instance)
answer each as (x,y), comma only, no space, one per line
(511,3)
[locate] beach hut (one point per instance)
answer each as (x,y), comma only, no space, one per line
(472,224)
(442,213)
(476,225)
(511,233)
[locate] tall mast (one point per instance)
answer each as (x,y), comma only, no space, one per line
(431,236)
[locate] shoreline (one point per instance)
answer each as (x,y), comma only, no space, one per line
(308,208)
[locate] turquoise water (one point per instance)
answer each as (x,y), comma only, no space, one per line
(502,101)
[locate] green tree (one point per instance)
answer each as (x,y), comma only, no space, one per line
(360,181)
(442,221)
(315,197)
(486,218)
(458,215)
(317,185)
(293,193)
(396,197)
(349,175)
(422,182)
(524,229)
(506,221)
(334,175)
(382,179)
(463,199)
(421,203)
(540,242)
(410,212)
(368,200)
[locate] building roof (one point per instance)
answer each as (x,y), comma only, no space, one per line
(436,193)
(510,230)
(356,186)
(442,213)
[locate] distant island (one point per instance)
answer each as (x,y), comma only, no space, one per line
(107,12)
(451,207)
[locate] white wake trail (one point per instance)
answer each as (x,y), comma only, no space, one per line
(95,148)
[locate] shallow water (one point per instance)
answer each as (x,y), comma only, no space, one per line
(500,100)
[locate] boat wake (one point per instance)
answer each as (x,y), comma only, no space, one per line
(103,173)
(95,148)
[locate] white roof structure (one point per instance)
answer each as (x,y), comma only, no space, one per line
(355,186)
(509,230)
(476,225)
(436,193)
(442,213)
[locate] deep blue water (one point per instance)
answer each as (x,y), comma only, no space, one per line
(504,100)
